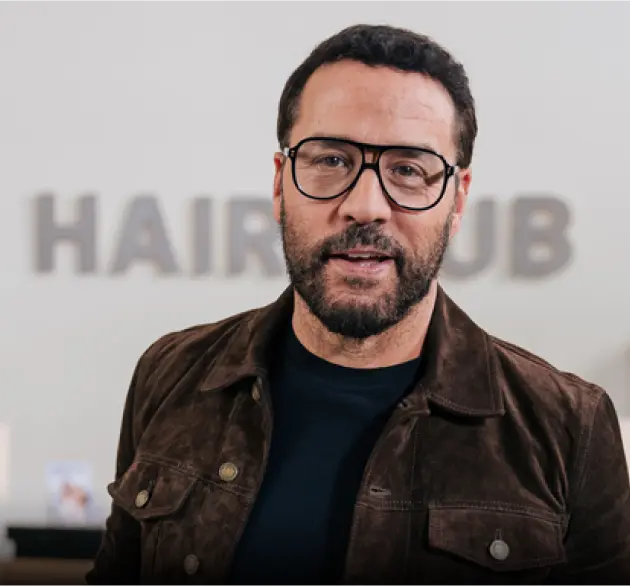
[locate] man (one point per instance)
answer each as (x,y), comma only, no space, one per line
(362,428)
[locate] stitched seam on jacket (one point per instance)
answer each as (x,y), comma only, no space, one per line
(584,447)
(193,473)
(502,507)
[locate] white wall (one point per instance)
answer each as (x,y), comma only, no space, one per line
(179,101)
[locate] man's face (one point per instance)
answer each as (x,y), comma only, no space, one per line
(362,298)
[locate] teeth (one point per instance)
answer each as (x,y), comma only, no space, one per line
(366,256)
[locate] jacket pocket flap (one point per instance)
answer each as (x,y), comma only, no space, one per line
(149,490)
(499,539)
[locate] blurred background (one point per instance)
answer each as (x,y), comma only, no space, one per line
(136,142)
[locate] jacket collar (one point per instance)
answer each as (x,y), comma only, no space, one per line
(459,372)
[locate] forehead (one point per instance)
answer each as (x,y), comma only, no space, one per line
(376,105)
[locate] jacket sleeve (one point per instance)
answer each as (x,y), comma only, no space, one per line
(597,543)
(118,559)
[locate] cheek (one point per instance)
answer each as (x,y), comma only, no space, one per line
(421,232)
(299,227)
(309,217)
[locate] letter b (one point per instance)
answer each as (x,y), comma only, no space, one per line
(540,246)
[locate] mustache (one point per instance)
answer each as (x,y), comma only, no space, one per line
(356,235)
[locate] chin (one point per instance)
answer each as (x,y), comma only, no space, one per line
(353,295)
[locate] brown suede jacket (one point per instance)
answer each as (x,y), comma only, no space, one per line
(496,468)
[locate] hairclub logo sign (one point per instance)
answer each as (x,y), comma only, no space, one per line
(537,239)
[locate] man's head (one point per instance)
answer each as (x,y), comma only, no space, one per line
(338,199)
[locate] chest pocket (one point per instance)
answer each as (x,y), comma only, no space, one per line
(497,539)
(149,490)
(157,495)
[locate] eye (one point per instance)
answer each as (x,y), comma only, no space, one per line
(330,161)
(406,171)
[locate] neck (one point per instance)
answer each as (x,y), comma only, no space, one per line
(398,344)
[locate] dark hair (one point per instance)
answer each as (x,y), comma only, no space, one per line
(396,48)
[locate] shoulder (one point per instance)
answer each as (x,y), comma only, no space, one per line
(177,355)
(537,389)
(174,353)
(568,421)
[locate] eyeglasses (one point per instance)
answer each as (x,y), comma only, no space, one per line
(413,178)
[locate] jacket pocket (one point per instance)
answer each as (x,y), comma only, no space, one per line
(149,490)
(500,539)
(156,496)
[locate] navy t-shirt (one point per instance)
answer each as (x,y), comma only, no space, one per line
(327,419)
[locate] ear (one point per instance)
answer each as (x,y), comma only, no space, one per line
(279,164)
(462,182)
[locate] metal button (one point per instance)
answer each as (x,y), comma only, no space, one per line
(228,472)
(191,564)
(142,498)
(256,393)
(404,403)
(499,550)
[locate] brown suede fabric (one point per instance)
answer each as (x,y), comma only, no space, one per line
(497,468)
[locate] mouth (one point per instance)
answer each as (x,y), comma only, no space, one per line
(362,262)
(361,255)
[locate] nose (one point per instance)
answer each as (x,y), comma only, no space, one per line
(365,202)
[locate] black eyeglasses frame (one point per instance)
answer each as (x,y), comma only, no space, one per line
(291,152)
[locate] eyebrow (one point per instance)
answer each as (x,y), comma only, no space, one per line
(404,144)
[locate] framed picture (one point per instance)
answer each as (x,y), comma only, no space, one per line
(70,490)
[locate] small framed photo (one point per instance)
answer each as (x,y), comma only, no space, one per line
(70,490)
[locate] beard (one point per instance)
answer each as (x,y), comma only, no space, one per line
(352,318)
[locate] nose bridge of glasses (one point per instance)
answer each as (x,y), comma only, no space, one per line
(365,199)
(371,156)
(373,183)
